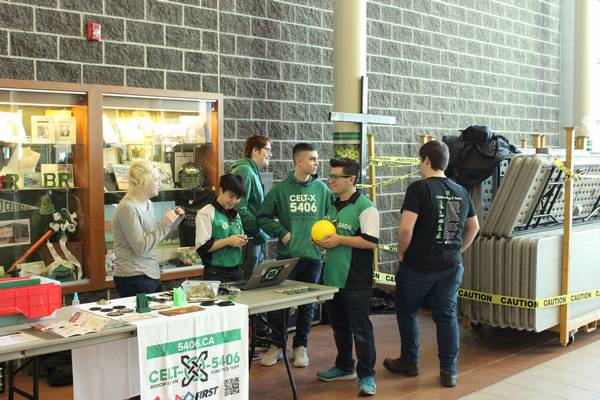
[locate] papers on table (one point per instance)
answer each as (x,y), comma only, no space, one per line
(66,329)
(16,338)
(81,323)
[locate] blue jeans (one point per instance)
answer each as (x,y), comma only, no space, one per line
(254,254)
(304,271)
(348,314)
(412,287)
(131,285)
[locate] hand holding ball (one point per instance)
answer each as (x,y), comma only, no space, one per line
(322,229)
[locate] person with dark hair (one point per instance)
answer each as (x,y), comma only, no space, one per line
(257,153)
(349,267)
(220,234)
(288,213)
(302,148)
(437,224)
(438,154)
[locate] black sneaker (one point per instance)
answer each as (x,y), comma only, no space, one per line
(448,380)
(398,367)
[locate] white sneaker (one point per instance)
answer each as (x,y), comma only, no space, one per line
(271,357)
(300,357)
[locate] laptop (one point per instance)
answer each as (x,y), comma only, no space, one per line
(269,273)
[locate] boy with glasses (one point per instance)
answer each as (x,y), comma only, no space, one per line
(349,266)
(257,153)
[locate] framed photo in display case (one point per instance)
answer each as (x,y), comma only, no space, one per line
(166,176)
(32,180)
(121,172)
(42,129)
(65,130)
(15,232)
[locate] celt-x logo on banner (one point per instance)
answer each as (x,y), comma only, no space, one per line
(194,370)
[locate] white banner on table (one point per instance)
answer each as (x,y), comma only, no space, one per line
(202,355)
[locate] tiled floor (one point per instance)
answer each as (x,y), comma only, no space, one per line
(575,375)
(517,365)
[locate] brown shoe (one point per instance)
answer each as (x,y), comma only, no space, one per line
(398,367)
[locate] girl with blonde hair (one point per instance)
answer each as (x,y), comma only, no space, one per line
(136,233)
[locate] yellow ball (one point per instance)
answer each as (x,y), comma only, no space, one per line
(322,229)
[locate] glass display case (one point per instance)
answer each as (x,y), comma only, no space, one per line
(43,183)
(65,150)
(179,136)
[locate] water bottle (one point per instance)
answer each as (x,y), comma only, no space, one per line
(75,304)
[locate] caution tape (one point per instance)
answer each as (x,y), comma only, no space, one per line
(511,301)
(384,278)
(570,173)
(393,161)
(386,182)
(391,249)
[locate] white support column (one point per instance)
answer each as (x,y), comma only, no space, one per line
(349,65)
(580,67)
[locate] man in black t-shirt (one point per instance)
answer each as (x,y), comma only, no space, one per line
(438,223)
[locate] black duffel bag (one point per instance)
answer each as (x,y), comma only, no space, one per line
(475,154)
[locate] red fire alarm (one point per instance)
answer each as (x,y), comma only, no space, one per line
(94,31)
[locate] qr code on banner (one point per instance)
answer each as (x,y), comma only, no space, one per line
(232,386)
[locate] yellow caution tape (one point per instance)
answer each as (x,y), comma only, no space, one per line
(511,301)
(394,161)
(391,249)
(570,174)
(384,278)
(386,182)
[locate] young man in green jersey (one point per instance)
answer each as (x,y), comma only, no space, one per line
(349,266)
(288,213)
(257,153)
(219,232)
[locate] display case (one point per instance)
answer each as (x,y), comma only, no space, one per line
(179,136)
(66,148)
(42,183)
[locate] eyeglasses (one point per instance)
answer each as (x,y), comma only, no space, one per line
(268,150)
(336,177)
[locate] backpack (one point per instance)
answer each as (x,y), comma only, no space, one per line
(191,201)
(475,155)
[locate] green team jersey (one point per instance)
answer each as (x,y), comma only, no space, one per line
(213,222)
(297,206)
(345,266)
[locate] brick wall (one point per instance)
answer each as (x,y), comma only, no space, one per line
(436,65)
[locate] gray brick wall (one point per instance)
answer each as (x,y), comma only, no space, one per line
(437,65)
